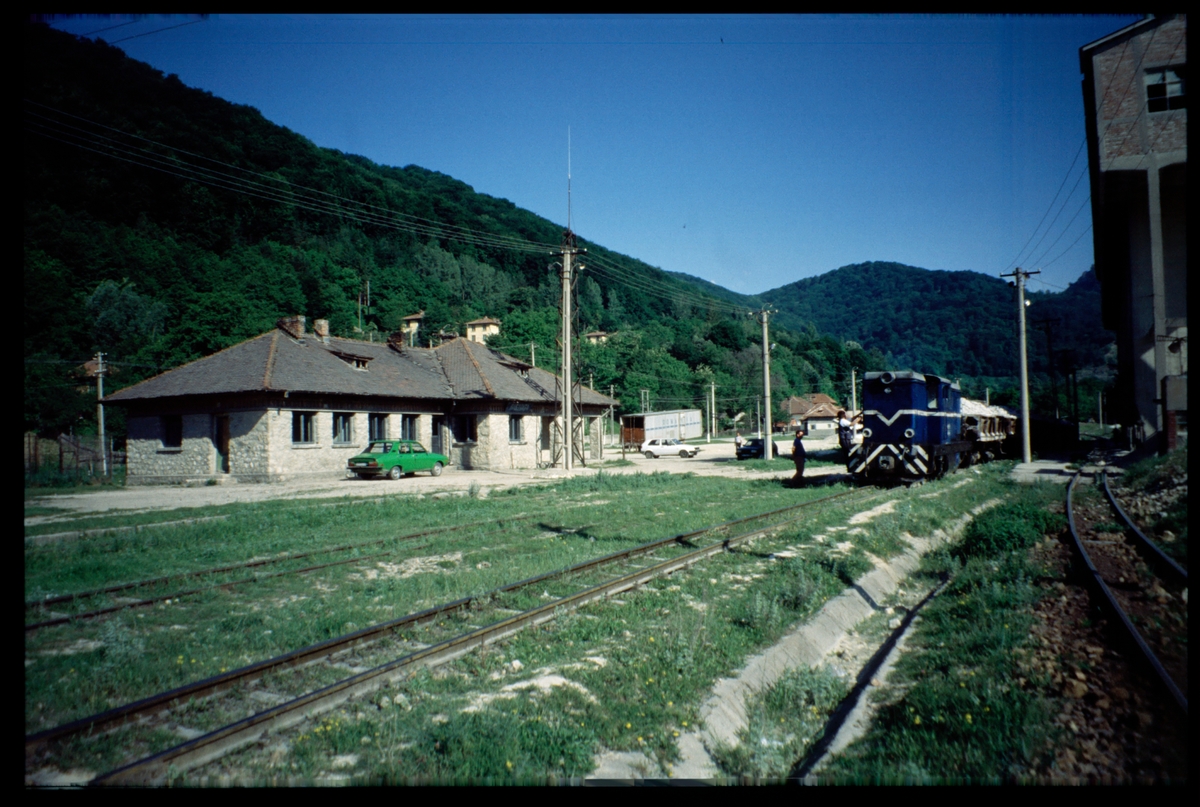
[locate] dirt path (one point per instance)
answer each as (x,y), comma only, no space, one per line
(714,459)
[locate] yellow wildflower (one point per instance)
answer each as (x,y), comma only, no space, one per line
(508,763)
(917,720)
(968,717)
(628,725)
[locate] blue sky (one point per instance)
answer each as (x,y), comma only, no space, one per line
(749,151)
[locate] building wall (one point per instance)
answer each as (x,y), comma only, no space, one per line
(1138,160)
(261,447)
(150,462)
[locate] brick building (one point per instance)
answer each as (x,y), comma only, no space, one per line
(289,404)
(1135,104)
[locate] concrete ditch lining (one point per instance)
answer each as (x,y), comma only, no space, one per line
(723,715)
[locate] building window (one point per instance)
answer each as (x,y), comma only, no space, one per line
(172,431)
(515,430)
(377,425)
(464,428)
(408,427)
(343,427)
(1166,89)
(302,427)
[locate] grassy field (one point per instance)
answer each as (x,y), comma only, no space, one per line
(626,674)
(961,715)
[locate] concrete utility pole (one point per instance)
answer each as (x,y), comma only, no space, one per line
(568,252)
(100,409)
(1021,276)
(533,354)
(853,391)
(712,410)
(766,348)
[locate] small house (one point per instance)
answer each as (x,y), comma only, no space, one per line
(292,404)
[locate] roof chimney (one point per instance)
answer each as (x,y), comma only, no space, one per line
(321,329)
(293,326)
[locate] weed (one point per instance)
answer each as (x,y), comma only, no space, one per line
(783,722)
(122,646)
(1011,526)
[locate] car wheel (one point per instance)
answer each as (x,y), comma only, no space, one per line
(684,454)
(396,472)
(650,455)
(436,470)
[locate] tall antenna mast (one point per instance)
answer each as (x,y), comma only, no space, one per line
(568,178)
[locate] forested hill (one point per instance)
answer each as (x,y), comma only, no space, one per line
(954,323)
(161,223)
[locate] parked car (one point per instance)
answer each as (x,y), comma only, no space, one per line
(753,448)
(653,449)
(394,459)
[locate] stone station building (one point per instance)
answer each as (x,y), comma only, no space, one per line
(289,404)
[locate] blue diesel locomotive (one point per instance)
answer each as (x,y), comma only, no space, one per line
(913,428)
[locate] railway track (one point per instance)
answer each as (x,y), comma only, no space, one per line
(1123,585)
(158,581)
(370,671)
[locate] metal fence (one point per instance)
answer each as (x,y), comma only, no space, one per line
(71,454)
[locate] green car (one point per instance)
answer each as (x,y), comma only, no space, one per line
(395,458)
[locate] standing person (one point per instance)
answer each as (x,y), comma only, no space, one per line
(798,457)
(845,428)
(738,441)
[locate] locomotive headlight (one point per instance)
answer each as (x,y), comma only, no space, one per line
(866,432)
(909,433)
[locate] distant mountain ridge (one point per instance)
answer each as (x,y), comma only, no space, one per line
(954,323)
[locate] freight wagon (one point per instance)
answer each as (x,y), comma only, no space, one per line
(679,424)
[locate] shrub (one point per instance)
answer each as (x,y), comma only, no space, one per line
(1011,526)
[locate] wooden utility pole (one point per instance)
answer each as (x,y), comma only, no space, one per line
(1021,276)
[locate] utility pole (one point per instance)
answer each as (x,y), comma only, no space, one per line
(100,409)
(533,353)
(645,396)
(1021,276)
(712,410)
(762,317)
(853,390)
(568,252)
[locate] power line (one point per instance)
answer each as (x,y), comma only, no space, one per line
(263,183)
(1060,235)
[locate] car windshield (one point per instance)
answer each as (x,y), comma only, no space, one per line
(378,448)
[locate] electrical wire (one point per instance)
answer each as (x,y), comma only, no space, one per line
(256,183)
(1066,229)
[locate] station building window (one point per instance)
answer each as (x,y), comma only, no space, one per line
(377,425)
(302,428)
(172,431)
(343,427)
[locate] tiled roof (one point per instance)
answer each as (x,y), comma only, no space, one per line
(274,361)
(821,410)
